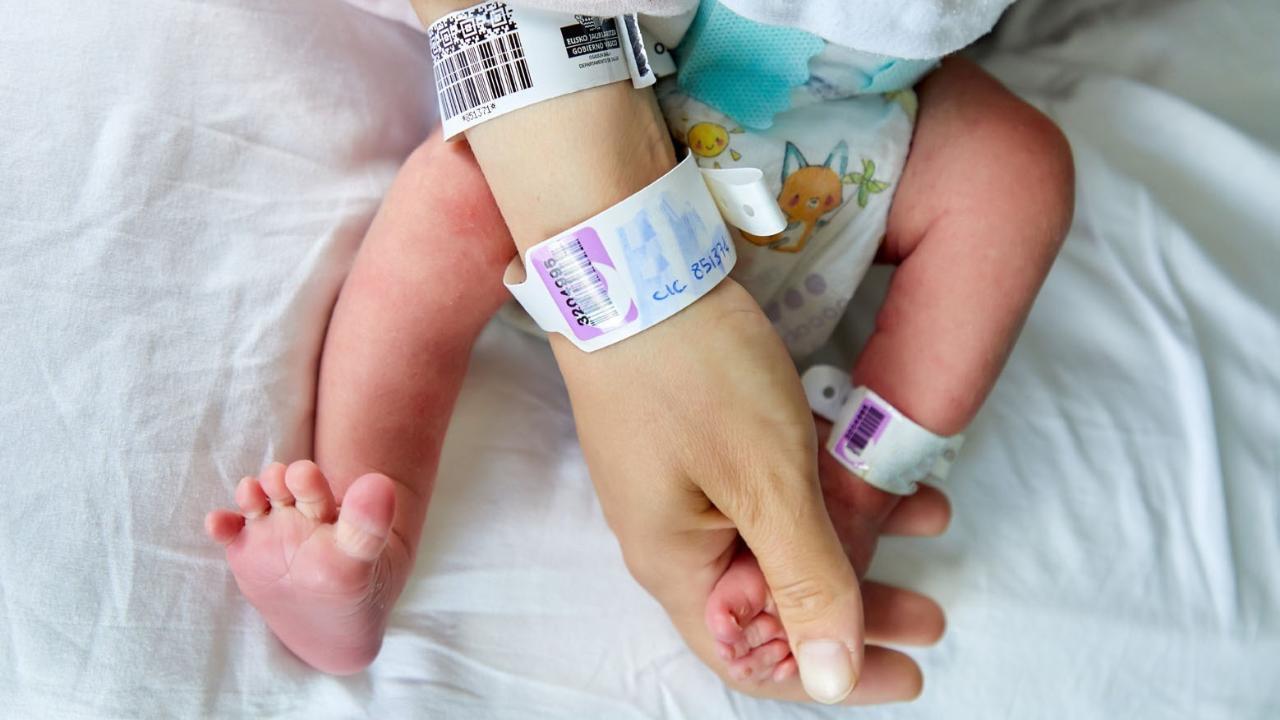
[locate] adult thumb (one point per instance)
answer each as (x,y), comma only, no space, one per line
(813,586)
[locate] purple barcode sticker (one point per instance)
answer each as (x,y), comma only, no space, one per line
(864,429)
(581,278)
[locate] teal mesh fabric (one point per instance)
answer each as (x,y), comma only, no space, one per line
(742,68)
(897,74)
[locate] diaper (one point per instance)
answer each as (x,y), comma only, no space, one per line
(751,71)
(829,126)
(834,166)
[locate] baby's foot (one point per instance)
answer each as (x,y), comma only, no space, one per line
(741,617)
(322,577)
(740,613)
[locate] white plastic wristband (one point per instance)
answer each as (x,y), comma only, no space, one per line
(493,58)
(644,259)
(872,439)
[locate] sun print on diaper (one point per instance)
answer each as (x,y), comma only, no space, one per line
(710,140)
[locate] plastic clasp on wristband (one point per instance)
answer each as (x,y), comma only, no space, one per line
(872,439)
(493,58)
(644,259)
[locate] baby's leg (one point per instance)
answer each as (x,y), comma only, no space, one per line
(982,209)
(427,280)
(324,561)
(979,214)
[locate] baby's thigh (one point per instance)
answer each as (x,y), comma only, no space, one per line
(981,156)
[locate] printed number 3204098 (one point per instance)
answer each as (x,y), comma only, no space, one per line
(557,277)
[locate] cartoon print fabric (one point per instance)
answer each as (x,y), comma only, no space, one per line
(833,166)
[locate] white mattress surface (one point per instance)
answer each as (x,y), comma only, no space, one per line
(183,185)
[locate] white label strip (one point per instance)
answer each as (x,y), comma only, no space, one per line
(630,267)
(873,439)
(494,58)
(644,259)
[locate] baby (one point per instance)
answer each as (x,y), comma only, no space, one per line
(973,216)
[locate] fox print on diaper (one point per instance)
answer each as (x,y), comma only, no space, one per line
(809,193)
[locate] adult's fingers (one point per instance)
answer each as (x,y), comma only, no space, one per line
(926,513)
(897,616)
(886,676)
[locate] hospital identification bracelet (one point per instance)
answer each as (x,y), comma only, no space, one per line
(644,259)
(872,438)
(493,58)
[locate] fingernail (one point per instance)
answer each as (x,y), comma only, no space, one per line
(826,670)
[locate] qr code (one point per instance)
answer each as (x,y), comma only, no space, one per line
(478,59)
(470,27)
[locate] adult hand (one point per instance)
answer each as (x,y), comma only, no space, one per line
(696,430)
(697,433)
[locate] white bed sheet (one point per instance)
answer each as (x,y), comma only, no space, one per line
(182,186)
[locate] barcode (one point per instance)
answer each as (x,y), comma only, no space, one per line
(581,282)
(866,423)
(480,74)
(472,26)
(478,57)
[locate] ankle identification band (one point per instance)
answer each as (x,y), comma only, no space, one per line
(644,259)
(494,58)
(872,439)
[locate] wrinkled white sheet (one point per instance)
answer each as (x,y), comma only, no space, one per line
(926,29)
(182,186)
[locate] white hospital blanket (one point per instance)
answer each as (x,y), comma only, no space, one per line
(182,186)
(926,29)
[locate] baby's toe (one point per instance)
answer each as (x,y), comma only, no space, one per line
(762,629)
(724,628)
(785,670)
(311,491)
(223,526)
(272,481)
(760,664)
(251,499)
(737,599)
(364,522)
